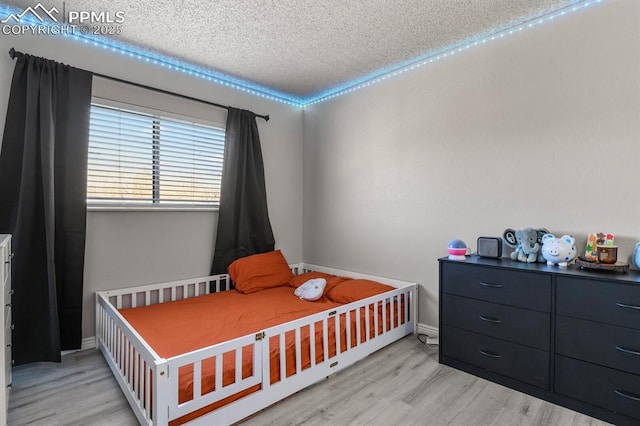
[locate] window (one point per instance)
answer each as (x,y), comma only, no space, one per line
(145,160)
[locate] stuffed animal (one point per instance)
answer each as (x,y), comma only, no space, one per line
(559,251)
(525,242)
(311,290)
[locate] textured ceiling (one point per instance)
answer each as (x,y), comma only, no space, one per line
(304,47)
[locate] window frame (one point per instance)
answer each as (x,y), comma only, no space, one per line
(156,114)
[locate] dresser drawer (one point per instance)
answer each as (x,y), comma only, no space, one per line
(5,258)
(7,315)
(601,386)
(7,367)
(509,359)
(7,295)
(617,304)
(523,326)
(6,274)
(523,289)
(608,345)
(7,325)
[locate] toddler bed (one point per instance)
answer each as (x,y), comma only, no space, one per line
(198,352)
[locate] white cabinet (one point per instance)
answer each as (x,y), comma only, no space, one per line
(5,301)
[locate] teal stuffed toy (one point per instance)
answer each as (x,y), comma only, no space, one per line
(526,244)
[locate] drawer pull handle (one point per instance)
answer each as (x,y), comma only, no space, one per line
(489,354)
(490,285)
(628,351)
(628,395)
(491,320)
(624,305)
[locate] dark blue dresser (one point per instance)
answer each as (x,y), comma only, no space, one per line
(568,336)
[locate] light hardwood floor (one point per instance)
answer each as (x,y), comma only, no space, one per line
(402,384)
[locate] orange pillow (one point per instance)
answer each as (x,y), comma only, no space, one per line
(352,290)
(260,271)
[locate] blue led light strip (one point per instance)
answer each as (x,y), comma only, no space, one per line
(433,56)
(171,63)
(161,60)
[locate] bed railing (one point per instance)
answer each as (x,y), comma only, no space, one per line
(208,388)
(152,294)
(345,331)
(363,328)
(151,383)
(125,351)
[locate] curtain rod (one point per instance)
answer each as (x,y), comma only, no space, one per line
(14,53)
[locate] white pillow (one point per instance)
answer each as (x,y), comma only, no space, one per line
(311,290)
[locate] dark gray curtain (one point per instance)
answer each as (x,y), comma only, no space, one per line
(243,220)
(43,180)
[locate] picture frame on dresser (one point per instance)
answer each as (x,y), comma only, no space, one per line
(567,336)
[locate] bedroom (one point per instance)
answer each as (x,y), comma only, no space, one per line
(466,147)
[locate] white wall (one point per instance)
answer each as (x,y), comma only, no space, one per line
(459,149)
(541,128)
(126,248)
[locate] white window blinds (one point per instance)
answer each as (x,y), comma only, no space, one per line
(138,159)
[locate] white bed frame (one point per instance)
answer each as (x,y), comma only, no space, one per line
(150,382)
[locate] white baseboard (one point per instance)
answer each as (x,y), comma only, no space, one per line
(432,332)
(88,343)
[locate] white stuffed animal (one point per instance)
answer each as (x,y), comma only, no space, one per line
(559,251)
(311,290)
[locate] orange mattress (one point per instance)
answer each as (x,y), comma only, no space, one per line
(185,325)
(182,326)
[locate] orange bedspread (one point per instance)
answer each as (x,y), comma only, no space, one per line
(185,325)
(182,326)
